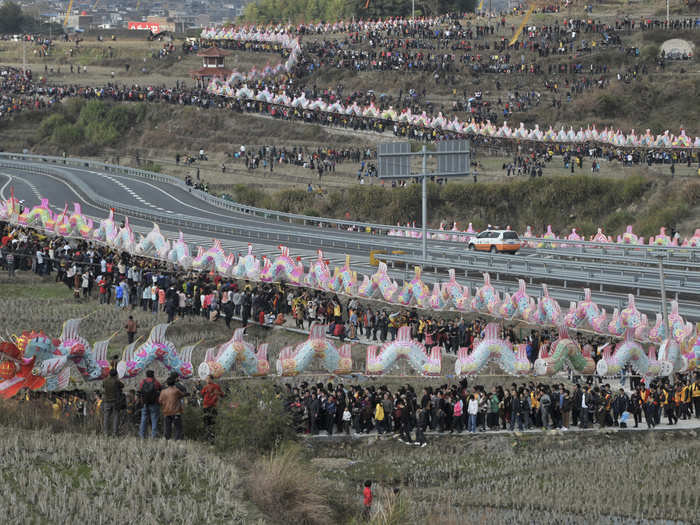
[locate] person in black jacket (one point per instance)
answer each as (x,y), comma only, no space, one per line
(246,304)
(404,422)
(635,406)
(227,308)
(314,412)
(422,424)
(112,402)
(576,406)
(619,405)
(516,411)
(565,409)
(594,404)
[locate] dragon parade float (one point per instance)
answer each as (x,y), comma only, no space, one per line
(34,360)
(237,86)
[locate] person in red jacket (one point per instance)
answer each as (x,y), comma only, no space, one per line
(367,493)
(211,393)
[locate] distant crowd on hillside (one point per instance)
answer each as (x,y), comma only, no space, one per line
(443,48)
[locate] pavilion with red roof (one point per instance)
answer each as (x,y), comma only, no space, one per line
(213,65)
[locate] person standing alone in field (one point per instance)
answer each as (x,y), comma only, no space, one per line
(367,496)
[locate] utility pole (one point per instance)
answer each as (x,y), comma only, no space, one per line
(667,13)
(413,11)
(664,307)
(424,201)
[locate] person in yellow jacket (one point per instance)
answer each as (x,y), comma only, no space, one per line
(56,407)
(695,394)
(686,400)
(678,400)
(379,417)
(534,407)
(668,405)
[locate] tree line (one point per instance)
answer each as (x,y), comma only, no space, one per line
(264,11)
(15,21)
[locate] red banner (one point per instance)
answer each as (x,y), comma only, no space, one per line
(145,26)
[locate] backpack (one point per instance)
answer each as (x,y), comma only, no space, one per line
(148,392)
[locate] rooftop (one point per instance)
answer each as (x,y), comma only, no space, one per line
(213,52)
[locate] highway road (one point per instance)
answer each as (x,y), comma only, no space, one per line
(175,207)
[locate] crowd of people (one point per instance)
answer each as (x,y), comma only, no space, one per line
(131,282)
(454,408)
(151,410)
(154,409)
(320,159)
(202,99)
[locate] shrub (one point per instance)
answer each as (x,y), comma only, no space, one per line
(251,196)
(294,200)
(253,421)
(86,127)
(37,415)
(71,108)
(67,136)
(193,424)
(609,106)
(49,125)
(311,212)
(392,509)
(649,53)
(289,490)
(152,166)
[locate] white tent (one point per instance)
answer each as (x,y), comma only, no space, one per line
(677,49)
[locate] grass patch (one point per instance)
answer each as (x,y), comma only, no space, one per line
(289,490)
(45,291)
(68,478)
(506,479)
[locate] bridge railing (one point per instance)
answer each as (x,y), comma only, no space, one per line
(322,238)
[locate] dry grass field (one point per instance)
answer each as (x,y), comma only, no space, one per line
(594,477)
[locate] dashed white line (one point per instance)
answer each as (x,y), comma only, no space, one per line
(130,191)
